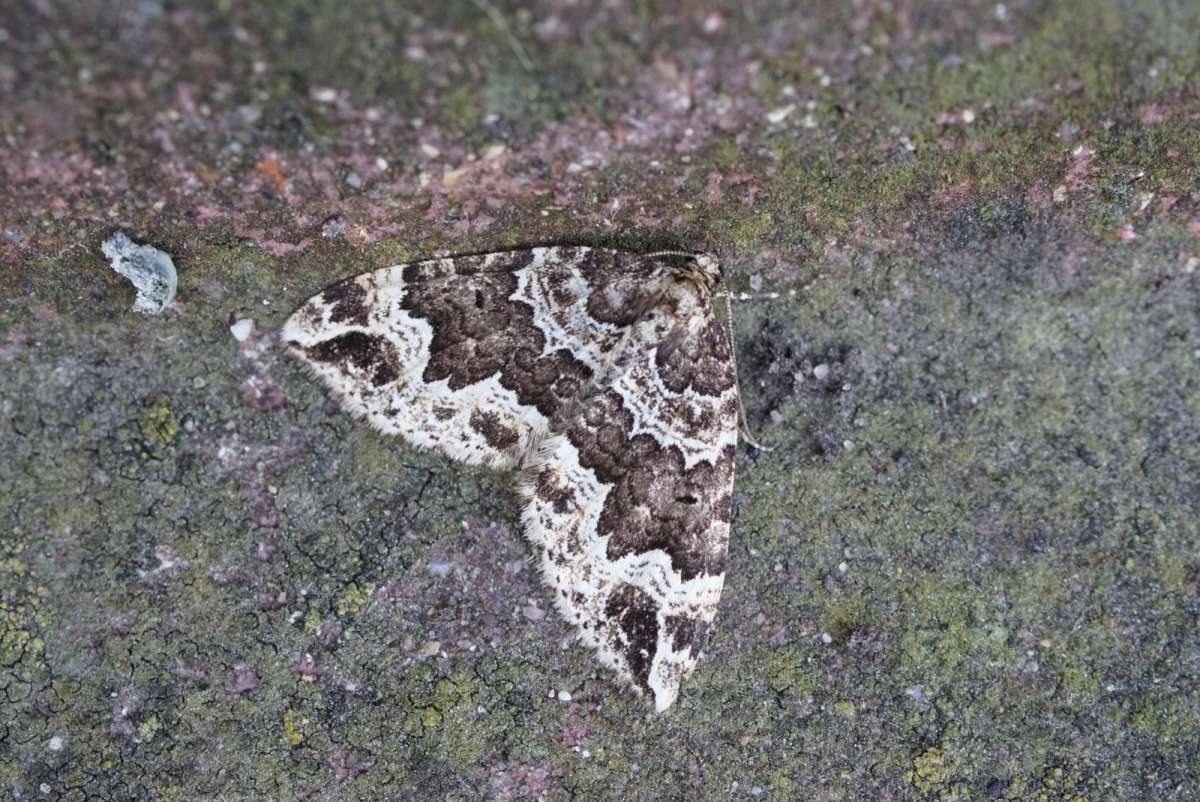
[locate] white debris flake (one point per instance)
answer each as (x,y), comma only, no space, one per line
(242,329)
(150,270)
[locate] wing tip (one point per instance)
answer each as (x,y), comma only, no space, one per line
(668,670)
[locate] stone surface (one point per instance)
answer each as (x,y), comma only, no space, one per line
(969,569)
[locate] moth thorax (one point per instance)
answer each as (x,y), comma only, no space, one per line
(683,308)
(699,275)
(710,267)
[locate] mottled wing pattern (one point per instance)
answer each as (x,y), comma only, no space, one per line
(629,501)
(601,374)
(469,356)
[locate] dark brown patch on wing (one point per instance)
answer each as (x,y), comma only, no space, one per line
(659,505)
(364,351)
(635,616)
(687,632)
(620,291)
(654,502)
(497,435)
(478,332)
(554,492)
(347,302)
(704,363)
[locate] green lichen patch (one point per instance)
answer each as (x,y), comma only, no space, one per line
(157,423)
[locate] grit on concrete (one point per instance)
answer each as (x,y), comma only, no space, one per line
(968,569)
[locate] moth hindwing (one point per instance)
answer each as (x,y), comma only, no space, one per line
(604,377)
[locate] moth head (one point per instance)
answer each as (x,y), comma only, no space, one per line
(703,271)
(698,268)
(709,266)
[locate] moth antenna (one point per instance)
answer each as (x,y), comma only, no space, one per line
(743,424)
(656,254)
(754,296)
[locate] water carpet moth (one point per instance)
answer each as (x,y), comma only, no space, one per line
(604,378)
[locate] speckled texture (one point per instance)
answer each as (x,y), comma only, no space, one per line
(968,570)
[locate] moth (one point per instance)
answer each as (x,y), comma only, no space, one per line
(605,380)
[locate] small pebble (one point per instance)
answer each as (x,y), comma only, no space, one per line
(241,330)
(780,114)
(564,696)
(821,372)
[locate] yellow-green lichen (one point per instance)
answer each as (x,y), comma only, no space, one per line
(148,727)
(312,620)
(158,423)
(16,640)
(293,726)
(353,598)
(928,770)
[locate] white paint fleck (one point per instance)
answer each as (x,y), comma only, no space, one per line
(150,270)
(242,329)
